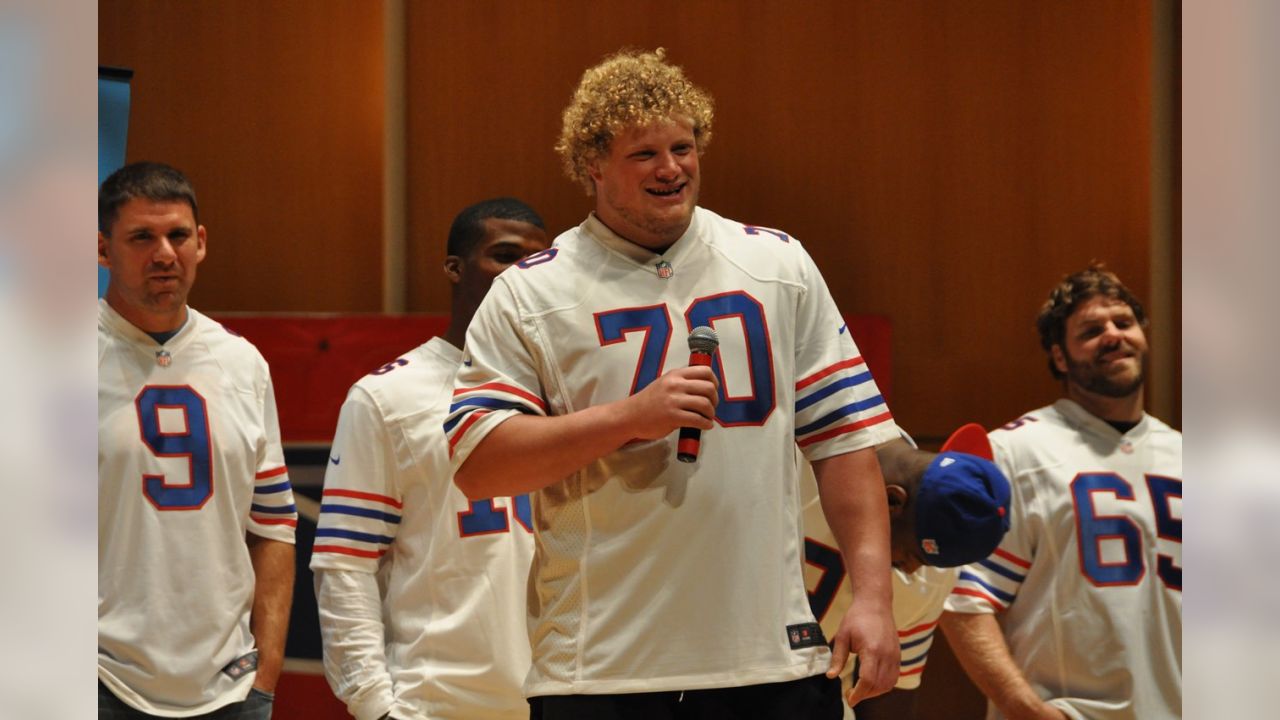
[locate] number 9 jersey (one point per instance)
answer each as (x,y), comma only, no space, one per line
(1087,583)
(189,460)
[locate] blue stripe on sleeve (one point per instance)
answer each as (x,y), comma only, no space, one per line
(966,575)
(919,641)
(914,661)
(482,402)
(281,510)
(269,489)
(1001,570)
(353,535)
(359,512)
(833,388)
(846,411)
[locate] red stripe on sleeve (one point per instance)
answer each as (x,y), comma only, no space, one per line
(916,629)
(1024,564)
(834,432)
(827,371)
(502,387)
(276,521)
(471,420)
(271,473)
(980,595)
(364,496)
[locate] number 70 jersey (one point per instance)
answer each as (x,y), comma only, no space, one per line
(652,574)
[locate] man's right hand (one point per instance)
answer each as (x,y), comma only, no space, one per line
(685,397)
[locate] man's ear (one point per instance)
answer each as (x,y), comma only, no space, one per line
(104,254)
(202,242)
(453,268)
(1059,358)
(897,500)
(593,171)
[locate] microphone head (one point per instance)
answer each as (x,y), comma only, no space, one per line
(703,340)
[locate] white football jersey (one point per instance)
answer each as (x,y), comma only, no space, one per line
(652,574)
(1087,583)
(453,573)
(189,460)
(918,597)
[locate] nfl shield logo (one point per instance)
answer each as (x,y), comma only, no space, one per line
(664,270)
(163,358)
(929,546)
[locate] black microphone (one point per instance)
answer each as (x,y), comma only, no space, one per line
(702,346)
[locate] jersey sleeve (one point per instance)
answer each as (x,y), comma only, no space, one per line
(272,514)
(498,378)
(991,585)
(361,505)
(352,632)
(838,408)
(916,612)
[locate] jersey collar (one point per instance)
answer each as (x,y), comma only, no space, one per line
(641,255)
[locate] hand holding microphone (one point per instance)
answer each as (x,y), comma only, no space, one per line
(702,348)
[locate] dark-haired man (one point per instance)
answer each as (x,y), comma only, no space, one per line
(1078,613)
(945,510)
(422,592)
(195,512)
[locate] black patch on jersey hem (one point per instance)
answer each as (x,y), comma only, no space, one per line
(805,635)
(246,663)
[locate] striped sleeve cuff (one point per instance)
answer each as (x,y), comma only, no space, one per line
(989,585)
(355,529)
(837,400)
(272,513)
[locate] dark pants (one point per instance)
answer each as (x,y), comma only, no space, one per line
(813,698)
(255,707)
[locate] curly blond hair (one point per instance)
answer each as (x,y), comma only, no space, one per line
(627,89)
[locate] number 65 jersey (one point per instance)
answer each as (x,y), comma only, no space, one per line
(652,574)
(1087,583)
(189,460)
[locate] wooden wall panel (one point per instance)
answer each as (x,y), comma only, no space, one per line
(944,163)
(275,111)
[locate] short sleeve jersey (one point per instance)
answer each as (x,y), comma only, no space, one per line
(189,460)
(455,572)
(1087,583)
(917,597)
(652,574)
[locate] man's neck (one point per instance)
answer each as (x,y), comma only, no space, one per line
(649,241)
(1123,409)
(146,321)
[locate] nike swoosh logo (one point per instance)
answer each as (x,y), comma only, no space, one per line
(843,328)
(335,460)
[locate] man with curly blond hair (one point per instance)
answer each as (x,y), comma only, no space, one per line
(660,588)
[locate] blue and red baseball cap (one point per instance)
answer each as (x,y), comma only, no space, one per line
(962,509)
